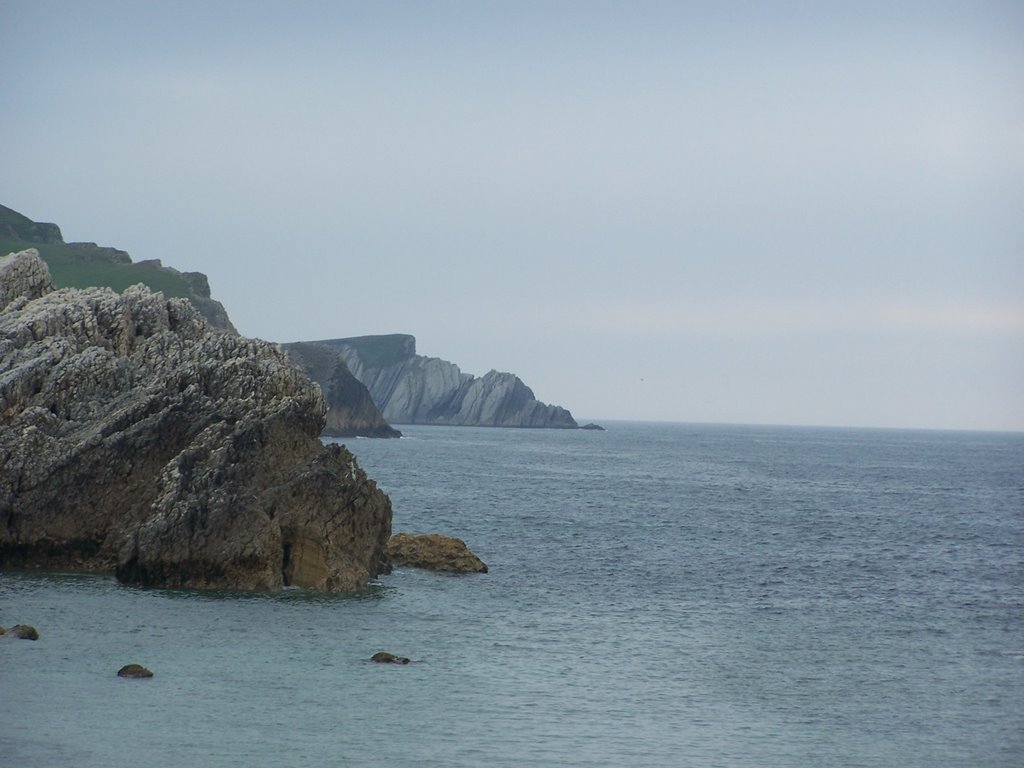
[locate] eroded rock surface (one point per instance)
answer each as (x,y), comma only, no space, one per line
(24,275)
(434,552)
(134,437)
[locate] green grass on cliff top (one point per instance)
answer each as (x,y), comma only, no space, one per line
(378,351)
(72,267)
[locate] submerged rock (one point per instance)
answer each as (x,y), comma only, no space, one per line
(383,657)
(434,552)
(134,671)
(135,437)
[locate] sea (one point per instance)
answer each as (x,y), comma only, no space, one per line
(657,595)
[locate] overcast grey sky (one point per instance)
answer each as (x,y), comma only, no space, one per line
(795,213)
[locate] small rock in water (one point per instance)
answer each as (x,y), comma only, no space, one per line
(22,631)
(434,552)
(383,657)
(134,670)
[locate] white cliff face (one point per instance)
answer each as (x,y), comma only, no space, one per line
(133,436)
(418,386)
(413,389)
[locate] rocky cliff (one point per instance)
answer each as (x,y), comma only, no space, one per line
(350,408)
(133,437)
(413,389)
(81,265)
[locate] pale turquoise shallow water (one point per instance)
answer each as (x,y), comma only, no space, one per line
(659,595)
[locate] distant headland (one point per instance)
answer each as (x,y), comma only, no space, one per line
(412,389)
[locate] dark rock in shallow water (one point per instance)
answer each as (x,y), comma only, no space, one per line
(593,427)
(133,436)
(21,632)
(134,671)
(383,657)
(434,552)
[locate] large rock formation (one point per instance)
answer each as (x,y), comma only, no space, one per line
(413,389)
(350,409)
(134,437)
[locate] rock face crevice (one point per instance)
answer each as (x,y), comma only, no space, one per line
(413,389)
(135,438)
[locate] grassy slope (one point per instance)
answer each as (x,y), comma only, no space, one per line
(376,351)
(72,267)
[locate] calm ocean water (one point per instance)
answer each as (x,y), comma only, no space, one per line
(659,595)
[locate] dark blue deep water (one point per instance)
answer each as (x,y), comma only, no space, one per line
(658,595)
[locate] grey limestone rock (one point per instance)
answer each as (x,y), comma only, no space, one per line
(24,276)
(135,438)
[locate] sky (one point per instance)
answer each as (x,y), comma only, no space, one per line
(766,213)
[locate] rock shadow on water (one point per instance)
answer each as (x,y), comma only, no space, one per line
(373,591)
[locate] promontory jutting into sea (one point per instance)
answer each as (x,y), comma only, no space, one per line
(185,541)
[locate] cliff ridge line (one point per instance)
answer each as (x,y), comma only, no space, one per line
(86,264)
